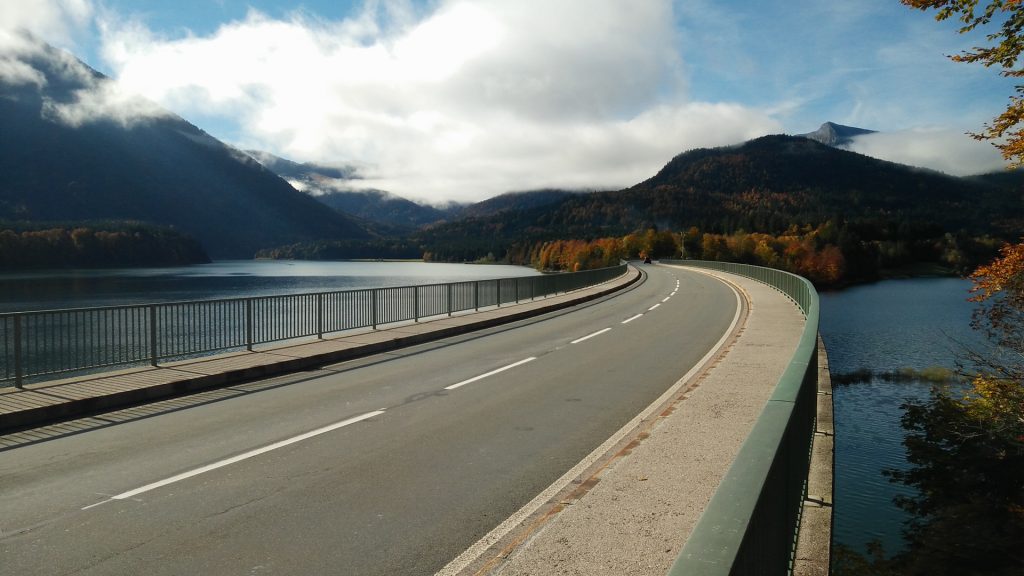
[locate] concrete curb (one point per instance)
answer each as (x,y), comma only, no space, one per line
(77,407)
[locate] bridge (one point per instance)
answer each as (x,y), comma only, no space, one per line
(511,428)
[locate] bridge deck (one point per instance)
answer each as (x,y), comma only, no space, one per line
(630,514)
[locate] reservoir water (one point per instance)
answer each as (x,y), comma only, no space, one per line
(43,290)
(918,323)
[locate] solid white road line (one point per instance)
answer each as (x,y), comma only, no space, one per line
(628,320)
(589,336)
(245,456)
(653,307)
(491,373)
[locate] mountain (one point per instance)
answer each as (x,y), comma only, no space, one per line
(1008,179)
(382,207)
(773,181)
(332,186)
(513,201)
(72,149)
(308,173)
(837,135)
(764,185)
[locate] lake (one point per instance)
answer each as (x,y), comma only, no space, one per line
(43,290)
(916,323)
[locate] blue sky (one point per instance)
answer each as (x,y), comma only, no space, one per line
(464,99)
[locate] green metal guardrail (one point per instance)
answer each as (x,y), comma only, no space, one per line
(751,524)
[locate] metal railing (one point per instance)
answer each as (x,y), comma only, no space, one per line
(751,524)
(42,344)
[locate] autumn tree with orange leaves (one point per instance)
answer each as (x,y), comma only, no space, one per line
(999,286)
(998,397)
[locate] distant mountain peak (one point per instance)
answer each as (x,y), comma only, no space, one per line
(837,135)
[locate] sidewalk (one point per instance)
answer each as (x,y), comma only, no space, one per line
(632,511)
(45,402)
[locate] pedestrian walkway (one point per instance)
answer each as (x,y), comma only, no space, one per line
(44,402)
(631,512)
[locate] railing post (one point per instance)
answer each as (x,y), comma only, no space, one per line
(476,295)
(449,299)
(152,335)
(416,303)
(320,316)
(373,305)
(18,369)
(248,324)
(517,290)
(497,289)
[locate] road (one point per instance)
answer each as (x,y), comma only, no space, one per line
(392,464)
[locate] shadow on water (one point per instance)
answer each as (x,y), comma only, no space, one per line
(889,332)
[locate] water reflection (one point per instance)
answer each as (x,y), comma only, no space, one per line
(227,279)
(895,324)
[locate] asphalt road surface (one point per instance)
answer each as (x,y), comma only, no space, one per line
(392,464)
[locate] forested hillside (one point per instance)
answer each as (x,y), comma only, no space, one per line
(95,245)
(877,214)
(382,208)
(67,156)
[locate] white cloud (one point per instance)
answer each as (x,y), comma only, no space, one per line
(15,72)
(467,101)
(101,101)
(460,99)
(56,20)
(25,60)
(944,150)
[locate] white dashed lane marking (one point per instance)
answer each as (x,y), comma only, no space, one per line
(589,336)
(240,457)
(491,373)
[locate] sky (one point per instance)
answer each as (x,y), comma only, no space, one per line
(443,100)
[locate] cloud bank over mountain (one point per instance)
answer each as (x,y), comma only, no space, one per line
(455,99)
(471,100)
(93,99)
(949,151)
